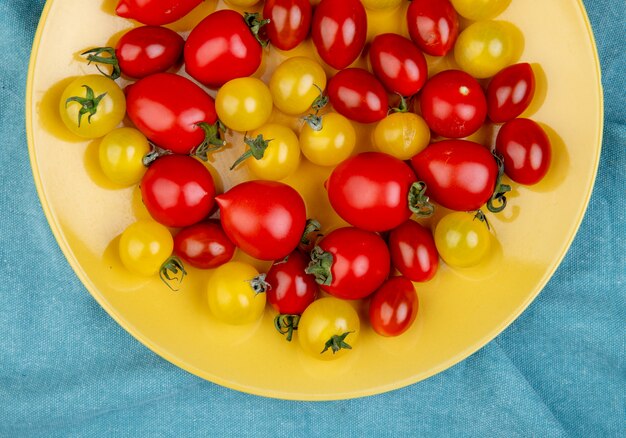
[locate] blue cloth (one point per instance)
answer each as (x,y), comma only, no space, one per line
(67,369)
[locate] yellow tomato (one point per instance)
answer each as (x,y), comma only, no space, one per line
(480,9)
(484,48)
(380,4)
(330,145)
(121,155)
(145,246)
(402,135)
(294,84)
(462,240)
(244,104)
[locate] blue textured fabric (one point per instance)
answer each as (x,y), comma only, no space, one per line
(67,369)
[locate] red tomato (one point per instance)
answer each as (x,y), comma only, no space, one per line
(220,48)
(459,175)
(156,106)
(399,65)
(453,104)
(526,150)
(291,289)
(290,21)
(371,191)
(265,219)
(393,307)
(350,263)
(413,251)
(357,94)
(155,12)
(510,92)
(178,190)
(433,25)
(339,31)
(204,245)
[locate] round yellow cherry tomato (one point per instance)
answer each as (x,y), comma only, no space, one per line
(328,328)
(121,155)
(235,293)
(330,145)
(92,106)
(294,84)
(462,240)
(484,48)
(244,104)
(480,9)
(145,246)
(402,135)
(380,4)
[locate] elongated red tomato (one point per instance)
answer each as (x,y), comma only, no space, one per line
(459,174)
(339,31)
(393,307)
(168,109)
(291,289)
(220,48)
(290,22)
(204,245)
(350,263)
(433,25)
(510,92)
(265,219)
(357,94)
(398,64)
(413,251)
(155,12)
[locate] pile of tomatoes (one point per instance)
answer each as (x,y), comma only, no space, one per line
(423,159)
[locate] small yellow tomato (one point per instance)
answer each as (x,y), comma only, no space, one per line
(380,4)
(145,246)
(330,145)
(480,9)
(462,239)
(121,155)
(294,84)
(244,104)
(484,48)
(402,135)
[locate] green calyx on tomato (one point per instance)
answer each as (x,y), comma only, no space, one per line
(95,56)
(255,23)
(286,324)
(312,227)
(89,103)
(321,263)
(256,149)
(418,201)
(336,343)
(402,107)
(497,203)
(172,272)
(315,120)
(213,140)
(258,284)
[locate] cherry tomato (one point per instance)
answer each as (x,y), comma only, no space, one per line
(178,190)
(235,293)
(331,144)
(479,10)
(393,307)
(328,329)
(459,174)
(453,104)
(350,263)
(358,95)
(144,247)
(381,4)
(462,240)
(121,155)
(156,108)
(204,245)
(401,135)
(433,25)
(221,48)
(244,104)
(510,92)
(265,219)
(398,64)
(155,12)
(290,22)
(413,251)
(291,290)
(484,48)
(296,84)
(92,106)
(339,31)
(371,191)
(526,150)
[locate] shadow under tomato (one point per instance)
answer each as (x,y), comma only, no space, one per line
(91,160)
(117,274)
(541,90)
(559,166)
(48,113)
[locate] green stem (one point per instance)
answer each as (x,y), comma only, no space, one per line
(320,101)
(286,324)
(110,59)
(312,226)
(498,201)
(212,142)
(480,215)
(314,121)
(320,266)
(257,147)
(172,271)
(259,285)
(89,104)
(403,107)
(155,153)
(255,23)
(337,342)
(419,203)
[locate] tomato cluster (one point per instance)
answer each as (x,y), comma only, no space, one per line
(423,158)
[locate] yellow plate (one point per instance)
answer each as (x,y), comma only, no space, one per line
(460,311)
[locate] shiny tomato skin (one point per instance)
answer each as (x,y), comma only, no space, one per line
(178,190)
(339,31)
(357,94)
(398,64)
(155,12)
(453,104)
(510,92)
(146,50)
(290,22)
(265,219)
(204,245)
(291,290)
(413,251)
(221,48)
(459,174)
(370,191)
(433,25)
(393,307)
(526,150)
(155,107)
